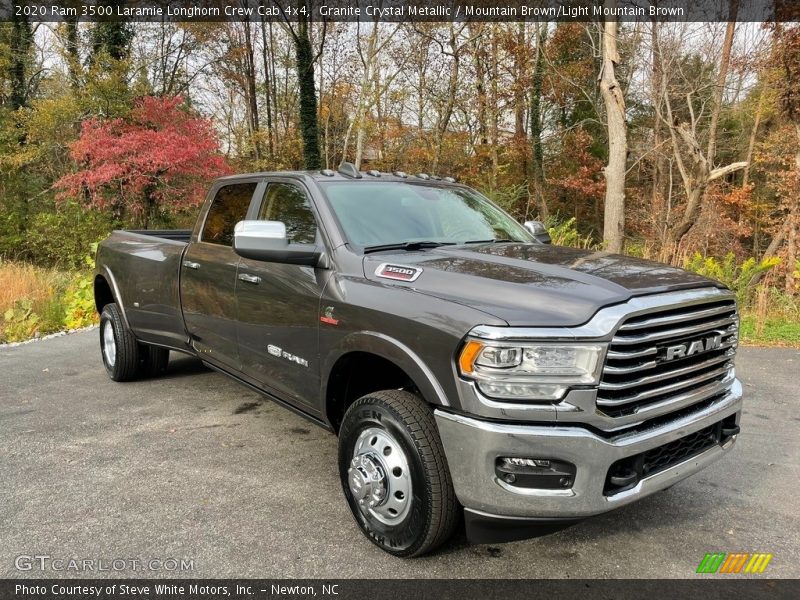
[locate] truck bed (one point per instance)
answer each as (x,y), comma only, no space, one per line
(145,268)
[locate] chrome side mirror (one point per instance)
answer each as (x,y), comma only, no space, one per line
(267,241)
(538,231)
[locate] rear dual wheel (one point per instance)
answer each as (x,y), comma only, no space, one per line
(124,358)
(394,473)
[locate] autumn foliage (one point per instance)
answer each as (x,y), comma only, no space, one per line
(160,159)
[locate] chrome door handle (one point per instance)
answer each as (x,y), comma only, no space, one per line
(191,265)
(254,279)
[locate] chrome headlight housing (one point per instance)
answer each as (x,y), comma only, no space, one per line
(540,371)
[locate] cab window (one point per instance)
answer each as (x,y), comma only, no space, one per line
(228,208)
(289,204)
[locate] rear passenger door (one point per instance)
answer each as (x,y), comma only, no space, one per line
(279,303)
(208,276)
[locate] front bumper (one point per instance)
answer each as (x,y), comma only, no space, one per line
(473,446)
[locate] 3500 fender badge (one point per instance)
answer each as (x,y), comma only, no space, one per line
(398,272)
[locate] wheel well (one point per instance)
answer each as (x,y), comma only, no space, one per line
(359,373)
(102,293)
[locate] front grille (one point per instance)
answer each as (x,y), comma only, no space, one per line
(669,359)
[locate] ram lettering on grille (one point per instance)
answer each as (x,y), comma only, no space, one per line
(669,359)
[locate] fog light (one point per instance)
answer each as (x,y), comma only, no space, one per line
(527,462)
(541,473)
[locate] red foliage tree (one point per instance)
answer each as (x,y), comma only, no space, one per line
(158,160)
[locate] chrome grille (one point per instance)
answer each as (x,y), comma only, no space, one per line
(669,359)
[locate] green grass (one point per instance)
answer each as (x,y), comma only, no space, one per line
(776,332)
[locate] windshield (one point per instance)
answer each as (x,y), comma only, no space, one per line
(395,213)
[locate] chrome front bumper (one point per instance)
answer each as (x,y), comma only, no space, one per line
(473,446)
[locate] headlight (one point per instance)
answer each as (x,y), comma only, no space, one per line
(530,371)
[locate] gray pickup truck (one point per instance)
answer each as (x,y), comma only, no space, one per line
(467,366)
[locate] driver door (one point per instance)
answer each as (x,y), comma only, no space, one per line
(278,304)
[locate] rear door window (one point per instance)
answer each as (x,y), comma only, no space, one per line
(228,208)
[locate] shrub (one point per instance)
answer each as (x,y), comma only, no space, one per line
(30,301)
(736,276)
(508,198)
(36,301)
(565,233)
(60,239)
(78,299)
(20,321)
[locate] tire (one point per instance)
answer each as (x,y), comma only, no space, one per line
(425,507)
(153,360)
(118,346)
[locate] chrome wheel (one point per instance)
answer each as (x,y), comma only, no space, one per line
(379,476)
(109,344)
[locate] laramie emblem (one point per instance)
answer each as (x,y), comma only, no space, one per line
(696,347)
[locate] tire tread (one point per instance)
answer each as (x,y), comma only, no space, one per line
(416,415)
(127,362)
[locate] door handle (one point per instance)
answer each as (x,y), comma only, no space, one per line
(191,265)
(254,279)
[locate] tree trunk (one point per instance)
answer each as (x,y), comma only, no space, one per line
(21,42)
(537,152)
(265,50)
(250,91)
(480,86)
(722,77)
(309,126)
(495,109)
(365,94)
(72,47)
(446,113)
(793,221)
(520,68)
(751,143)
(273,70)
(658,200)
(614,218)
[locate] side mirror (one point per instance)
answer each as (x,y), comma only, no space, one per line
(538,231)
(267,241)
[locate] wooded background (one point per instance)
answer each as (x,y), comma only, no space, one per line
(678,142)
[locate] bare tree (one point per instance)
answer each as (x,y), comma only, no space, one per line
(372,87)
(614,219)
(696,167)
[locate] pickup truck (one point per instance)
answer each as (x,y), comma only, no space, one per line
(470,369)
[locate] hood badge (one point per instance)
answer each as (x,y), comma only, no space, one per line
(398,272)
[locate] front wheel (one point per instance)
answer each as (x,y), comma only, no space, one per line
(394,473)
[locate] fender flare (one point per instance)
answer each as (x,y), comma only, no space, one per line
(391,349)
(106,274)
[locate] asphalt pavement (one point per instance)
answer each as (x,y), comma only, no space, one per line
(192,466)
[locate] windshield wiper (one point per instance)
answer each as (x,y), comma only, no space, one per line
(406,246)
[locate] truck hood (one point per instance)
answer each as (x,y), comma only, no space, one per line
(533,284)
